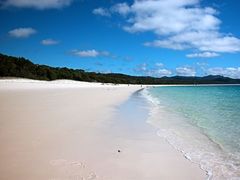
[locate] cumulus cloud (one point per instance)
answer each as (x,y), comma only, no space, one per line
(159,64)
(121,8)
(37,4)
(185,71)
(159,71)
(162,72)
(202,41)
(48,42)
(101,12)
(178,25)
(156,71)
(22,32)
(203,55)
(90,53)
(232,72)
(167,44)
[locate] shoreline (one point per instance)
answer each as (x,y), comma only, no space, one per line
(142,140)
(192,141)
(168,136)
(71,132)
(163,133)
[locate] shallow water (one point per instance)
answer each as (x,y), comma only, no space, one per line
(143,154)
(203,122)
(133,111)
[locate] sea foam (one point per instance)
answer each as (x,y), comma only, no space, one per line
(191,139)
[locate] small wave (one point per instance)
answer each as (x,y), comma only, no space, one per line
(195,146)
(154,101)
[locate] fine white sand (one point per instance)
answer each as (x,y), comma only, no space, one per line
(67,130)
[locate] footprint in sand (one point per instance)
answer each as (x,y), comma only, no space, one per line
(92,176)
(71,170)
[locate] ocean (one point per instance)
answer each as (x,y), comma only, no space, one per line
(203,122)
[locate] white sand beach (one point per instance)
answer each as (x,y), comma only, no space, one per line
(68,130)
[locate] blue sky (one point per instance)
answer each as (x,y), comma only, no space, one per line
(141,37)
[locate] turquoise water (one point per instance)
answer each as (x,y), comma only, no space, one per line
(204,123)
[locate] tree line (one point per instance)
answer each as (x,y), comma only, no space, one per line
(20,67)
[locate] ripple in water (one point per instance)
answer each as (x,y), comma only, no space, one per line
(203,122)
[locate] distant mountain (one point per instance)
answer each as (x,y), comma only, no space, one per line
(20,67)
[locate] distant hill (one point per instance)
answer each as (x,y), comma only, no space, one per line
(20,67)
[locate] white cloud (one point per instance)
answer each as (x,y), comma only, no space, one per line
(90,53)
(203,55)
(121,8)
(202,41)
(37,4)
(101,12)
(86,53)
(159,64)
(22,32)
(232,72)
(162,72)
(166,17)
(167,44)
(156,71)
(178,24)
(49,42)
(185,71)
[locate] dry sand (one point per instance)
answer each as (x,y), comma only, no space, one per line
(67,130)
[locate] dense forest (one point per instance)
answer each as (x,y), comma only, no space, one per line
(20,67)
